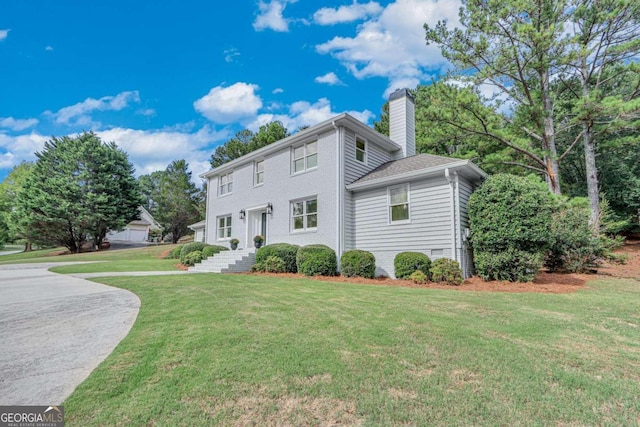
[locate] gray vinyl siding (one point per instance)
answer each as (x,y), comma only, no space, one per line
(465,190)
(280,187)
(353,170)
(430,228)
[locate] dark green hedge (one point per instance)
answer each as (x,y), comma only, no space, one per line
(316,260)
(405,263)
(284,251)
(358,263)
(510,220)
(175,253)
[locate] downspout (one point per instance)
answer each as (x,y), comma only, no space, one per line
(459,221)
(452,197)
(340,191)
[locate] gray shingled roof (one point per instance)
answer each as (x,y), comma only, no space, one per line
(406,165)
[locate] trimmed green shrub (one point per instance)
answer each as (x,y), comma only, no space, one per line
(511,264)
(358,263)
(446,270)
(284,251)
(510,220)
(274,264)
(405,263)
(192,258)
(211,250)
(191,247)
(175,253)
(418,277)
(316,260)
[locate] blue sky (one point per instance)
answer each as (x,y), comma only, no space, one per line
(173,79)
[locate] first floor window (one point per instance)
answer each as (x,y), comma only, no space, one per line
(226,183)
(304,214)
(399,203)
(224,227)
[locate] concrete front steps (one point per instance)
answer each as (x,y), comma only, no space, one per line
(238,261)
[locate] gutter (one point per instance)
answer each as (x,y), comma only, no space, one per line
(340,190)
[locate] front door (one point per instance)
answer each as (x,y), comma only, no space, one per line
(257,225)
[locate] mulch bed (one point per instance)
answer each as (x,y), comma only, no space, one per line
(548,283)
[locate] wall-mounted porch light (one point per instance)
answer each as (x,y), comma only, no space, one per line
(269,208)
(243,214)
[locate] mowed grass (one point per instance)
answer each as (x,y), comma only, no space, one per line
(249,350)
(149,258)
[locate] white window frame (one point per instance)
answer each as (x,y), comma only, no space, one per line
(257,173)
(304,215)
(227,229)
(226,188)
(365,151)
(408,203)
(305,156)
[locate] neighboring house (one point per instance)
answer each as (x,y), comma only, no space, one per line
(198,230)
(342,184)
(137,230)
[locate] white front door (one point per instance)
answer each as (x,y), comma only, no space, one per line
(257,224)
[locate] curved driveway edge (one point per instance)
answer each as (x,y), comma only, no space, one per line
(54,330)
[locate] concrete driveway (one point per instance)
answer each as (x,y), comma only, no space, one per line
(54,330)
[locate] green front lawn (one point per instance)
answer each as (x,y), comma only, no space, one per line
(249,350)
(149,258)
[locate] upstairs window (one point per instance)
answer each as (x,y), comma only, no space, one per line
(305,157)
(398,199)
(304,214)
(226,184)
(361,150)
(224,227)
(259,167)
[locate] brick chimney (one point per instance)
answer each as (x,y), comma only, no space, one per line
(402,121)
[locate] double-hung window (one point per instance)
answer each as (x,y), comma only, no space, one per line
(304,214)
(226,184)
(259,172)
(305,157)
(361,150)
(224,227)
(398,200)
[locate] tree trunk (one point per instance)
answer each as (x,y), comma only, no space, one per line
(27,246)
(592,177)
(549,138)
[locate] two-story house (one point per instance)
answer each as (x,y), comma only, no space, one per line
(342,184)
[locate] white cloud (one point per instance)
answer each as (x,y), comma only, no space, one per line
(229,104)
(277,90)
(303,113)
(392,45)
(48,48)
(270,16)
(4,34)
(230,55)
(330,79)
(79,114)
(151,150)
(147,112)
(350,13)
(17,124)
(20,148)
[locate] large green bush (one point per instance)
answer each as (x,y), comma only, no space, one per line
(284,251)
(405,263)
(446,270)
(191,247)
(316,260)
(358,263)
(175,253)
(211,250)
(510,220)
(192,258)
